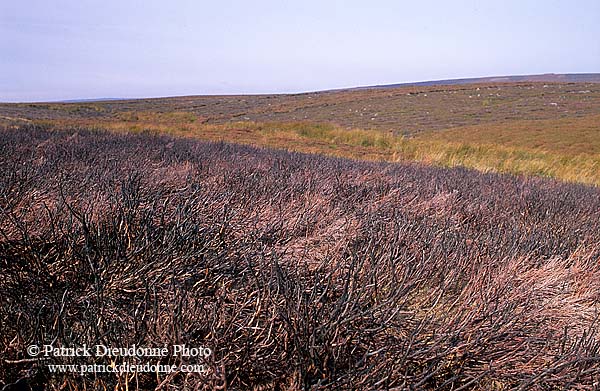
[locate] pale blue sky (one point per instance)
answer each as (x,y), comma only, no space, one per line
(59,49)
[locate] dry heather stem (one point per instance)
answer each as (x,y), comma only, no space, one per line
(298,271)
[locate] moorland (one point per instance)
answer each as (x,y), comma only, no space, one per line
(406,238)
(526,128)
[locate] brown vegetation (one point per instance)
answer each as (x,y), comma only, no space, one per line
(521,128)
(404,110)
(299,271)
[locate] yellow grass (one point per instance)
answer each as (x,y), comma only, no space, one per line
(566,149)
(573,136)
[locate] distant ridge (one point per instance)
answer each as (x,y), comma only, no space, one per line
(88,100)
(544,78)
(547,78)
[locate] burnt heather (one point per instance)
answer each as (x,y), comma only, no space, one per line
(298,271)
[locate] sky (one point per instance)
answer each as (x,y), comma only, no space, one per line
(59,49)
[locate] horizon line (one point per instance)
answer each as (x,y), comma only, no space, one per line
(452,81)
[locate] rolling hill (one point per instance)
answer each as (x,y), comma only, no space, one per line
(546,125)
(546,78)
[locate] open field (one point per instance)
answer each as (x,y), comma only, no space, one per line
(538,129)
(298,271)
(405,110)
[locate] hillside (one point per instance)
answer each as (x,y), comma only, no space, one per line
(529,128)
(546,78)
(403,110)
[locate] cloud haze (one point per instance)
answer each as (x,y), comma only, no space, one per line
(112,48)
